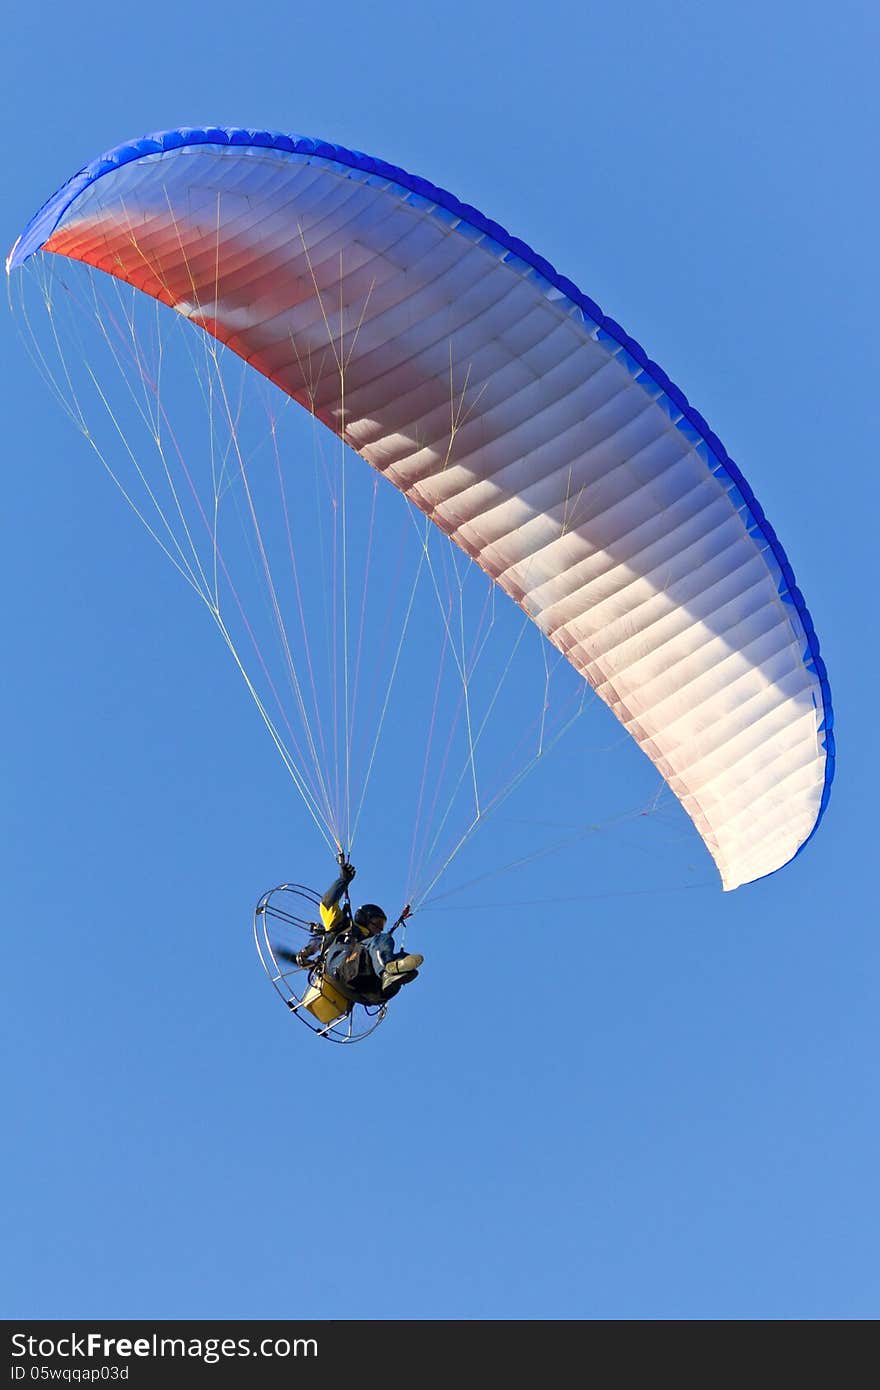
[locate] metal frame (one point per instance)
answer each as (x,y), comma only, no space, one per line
(282,906)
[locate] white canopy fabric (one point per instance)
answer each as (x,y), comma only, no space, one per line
(522,421)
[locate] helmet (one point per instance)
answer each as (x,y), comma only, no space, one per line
(367,915)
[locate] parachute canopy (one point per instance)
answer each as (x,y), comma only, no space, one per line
(520,419)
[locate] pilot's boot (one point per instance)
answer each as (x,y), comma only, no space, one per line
(403,965)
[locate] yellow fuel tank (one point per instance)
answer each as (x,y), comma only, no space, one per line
(324,1001)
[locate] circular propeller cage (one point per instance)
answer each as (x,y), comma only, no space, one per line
(284,921)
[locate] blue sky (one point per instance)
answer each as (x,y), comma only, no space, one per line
(614,1091)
